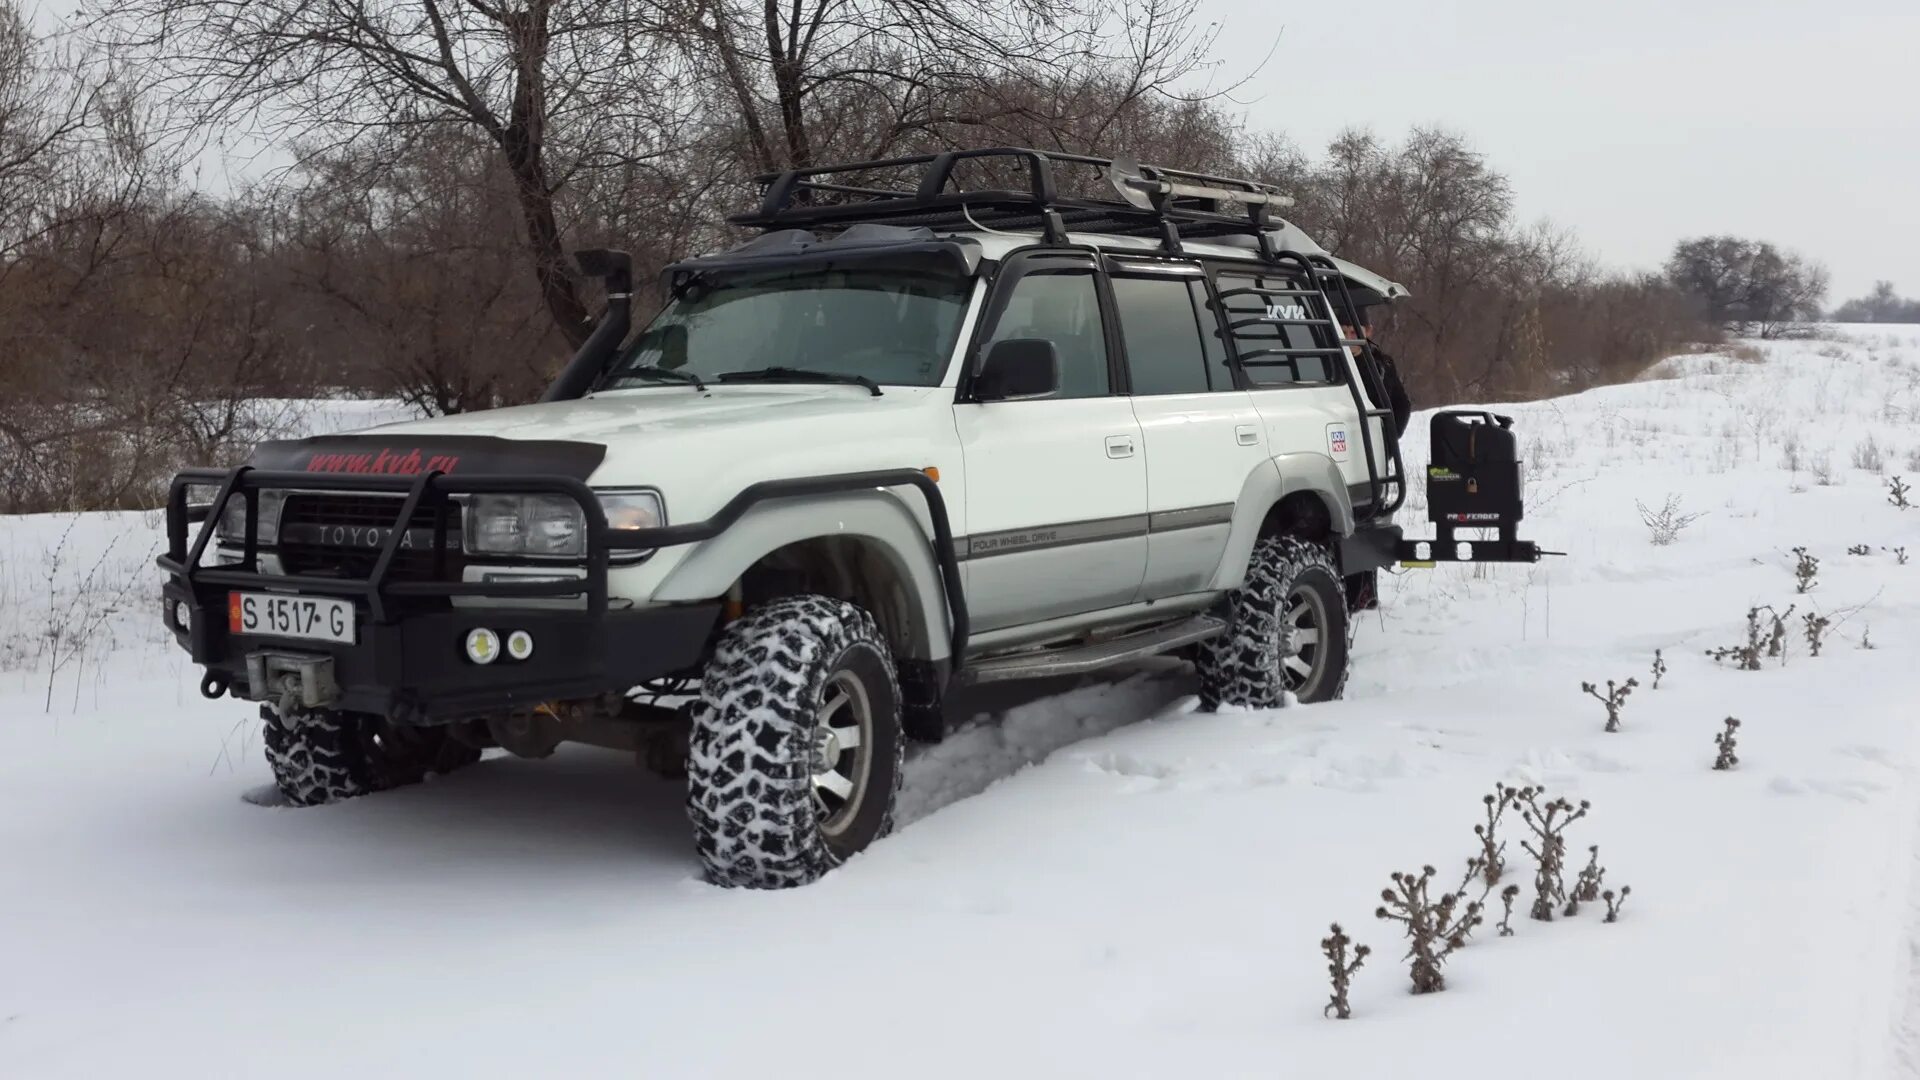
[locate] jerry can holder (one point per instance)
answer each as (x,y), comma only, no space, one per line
(1473,482)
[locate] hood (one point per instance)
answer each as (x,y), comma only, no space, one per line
(665,410)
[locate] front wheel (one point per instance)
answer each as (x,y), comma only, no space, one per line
(1286,631)
(322,756)
(795,757)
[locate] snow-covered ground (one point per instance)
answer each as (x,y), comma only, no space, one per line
(1146,900)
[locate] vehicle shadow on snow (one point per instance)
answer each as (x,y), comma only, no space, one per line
(585,805)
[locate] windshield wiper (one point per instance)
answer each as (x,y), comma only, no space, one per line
(655,371)
(794,374)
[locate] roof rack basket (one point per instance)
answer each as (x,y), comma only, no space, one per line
(1055,192)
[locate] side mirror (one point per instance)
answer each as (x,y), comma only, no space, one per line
(1016,369)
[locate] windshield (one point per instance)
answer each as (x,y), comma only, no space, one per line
(889,325)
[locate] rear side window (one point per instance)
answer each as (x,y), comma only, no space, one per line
(1273,350)
(1162,333)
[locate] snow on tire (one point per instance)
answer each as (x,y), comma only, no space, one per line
(322,756)
(795,757)
(1287,631)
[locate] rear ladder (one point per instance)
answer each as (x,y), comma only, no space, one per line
(1386,491)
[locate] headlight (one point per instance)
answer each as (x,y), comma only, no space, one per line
(233,517)
(629,510)
(525,525)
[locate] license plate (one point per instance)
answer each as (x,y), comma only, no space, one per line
(309,618)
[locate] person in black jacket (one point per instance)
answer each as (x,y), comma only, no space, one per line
(1384,386)
(1382,375)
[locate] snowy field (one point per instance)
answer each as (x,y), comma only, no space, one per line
(1093,881)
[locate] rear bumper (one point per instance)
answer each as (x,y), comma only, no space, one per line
(415,669)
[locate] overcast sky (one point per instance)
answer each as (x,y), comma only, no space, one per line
(1635,122)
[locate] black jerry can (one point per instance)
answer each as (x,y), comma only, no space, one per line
(1473,477)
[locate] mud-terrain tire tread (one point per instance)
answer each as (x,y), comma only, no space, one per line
(749,780)
(1241,667)
(323,756)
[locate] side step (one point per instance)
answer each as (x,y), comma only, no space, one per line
(1080,659)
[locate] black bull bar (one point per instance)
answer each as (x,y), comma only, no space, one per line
(407,663)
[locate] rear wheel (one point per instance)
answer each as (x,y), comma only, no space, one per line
(1286,631)
(795,758)
(322,756)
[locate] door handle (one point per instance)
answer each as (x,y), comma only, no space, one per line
(1119,446)
(1247,435)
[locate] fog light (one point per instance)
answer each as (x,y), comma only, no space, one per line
(182,615)
(483,646)
(519,644)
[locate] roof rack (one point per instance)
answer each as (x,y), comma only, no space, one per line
(1138,200)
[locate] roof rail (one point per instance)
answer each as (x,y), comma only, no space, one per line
(1096,195)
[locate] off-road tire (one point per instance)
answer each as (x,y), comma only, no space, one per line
(1242,667)
(323,756)
(753,756)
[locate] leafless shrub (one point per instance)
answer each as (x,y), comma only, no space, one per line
(1790,453)
(1334,947)
(1614,904)
(1899,554)
(1868,455)
(1435,928)
(1659,668)
(1823,473)
(1506,918)
(1859,549)
(1586,888)
(1806,569)
(1614,699)
(1725,740)
(1897,491)
(1549,847)
(1777,637)
(1667,523)
(77,614)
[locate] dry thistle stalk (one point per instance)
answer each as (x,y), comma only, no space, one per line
(1659,668)
(1615,698)
(1548,823)
(1435,928)
(1866,637)
(1586,888)
(1506,897)
(1493,860)
(1725,741)
(1859,549)
(1615,904)
(1805,569)
(1777,641)
(1899,555)
(1749,654)
(1335,950)
(1897,490)
(1816,630)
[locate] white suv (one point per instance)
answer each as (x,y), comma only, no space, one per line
(906,437)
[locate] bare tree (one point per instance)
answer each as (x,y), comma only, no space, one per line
(535,78)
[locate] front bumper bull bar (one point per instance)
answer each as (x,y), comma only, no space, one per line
(407,661)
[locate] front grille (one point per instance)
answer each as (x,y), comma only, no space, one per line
(327,535)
